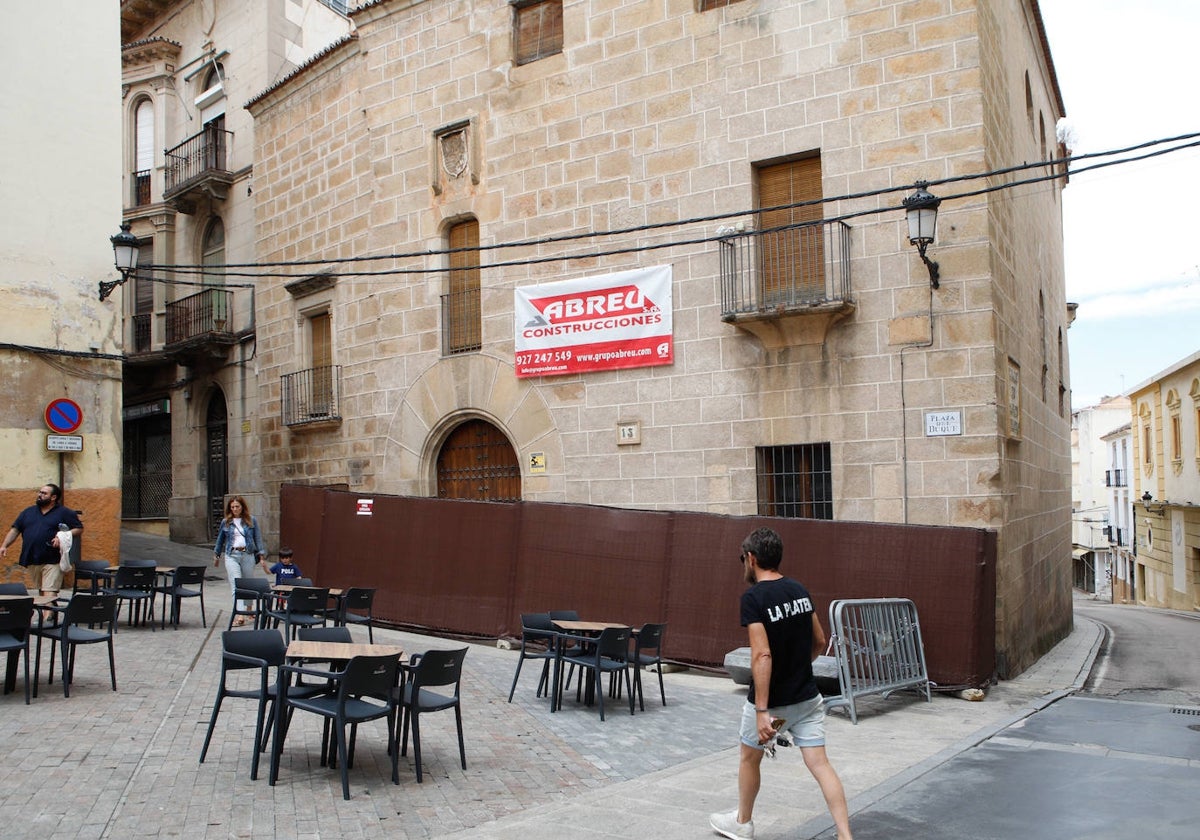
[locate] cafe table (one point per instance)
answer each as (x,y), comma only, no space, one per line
(578,631)
(281,590)
(10,672)
(325,652)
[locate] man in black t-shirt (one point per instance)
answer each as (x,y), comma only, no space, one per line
(785,637)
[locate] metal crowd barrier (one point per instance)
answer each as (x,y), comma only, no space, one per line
(878,649)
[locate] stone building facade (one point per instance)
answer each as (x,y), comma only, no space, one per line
(1166,487)
(451,154)
(59,341)
(188,329)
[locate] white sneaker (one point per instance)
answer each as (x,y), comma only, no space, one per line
(726,825)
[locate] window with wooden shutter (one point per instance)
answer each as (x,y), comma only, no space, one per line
(791,260)
(462,316)
(538,30)
(795,480)
(320,342)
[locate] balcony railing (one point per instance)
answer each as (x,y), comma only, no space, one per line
(786,270)
(311,396)
(196,159)
(198,316)
(1115,478)
(141,188)
(461,326)
(141,333)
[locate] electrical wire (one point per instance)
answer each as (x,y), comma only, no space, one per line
(331,266)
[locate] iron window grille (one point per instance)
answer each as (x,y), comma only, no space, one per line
(795,481)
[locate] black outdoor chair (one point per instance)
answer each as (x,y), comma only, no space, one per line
(135,585)
(647,650)
(365,691)
(82,614)
(427,671)
(537,642)
(356,608)
(242,651)
(14,589)
(569,649)
(255,593)
(92,572)
(609,655)
(186,582)
(304,606)
(15,617)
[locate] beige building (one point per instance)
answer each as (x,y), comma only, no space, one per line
(60,343)
(429,181)
(1166,487)
(191,374)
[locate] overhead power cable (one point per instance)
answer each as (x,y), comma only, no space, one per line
(337,266)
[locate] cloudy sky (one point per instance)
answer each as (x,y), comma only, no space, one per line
(1128,75)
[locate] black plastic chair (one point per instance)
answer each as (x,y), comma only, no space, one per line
(366,690)
(81,615)
(186,582)
(356,608)
(609,655)
(427,671)
(255,593)
(15,617)
(14,589)
(303,607)
(241,651)
(537,642)
(647,650)
(135,585)
(94,572)
(569,649)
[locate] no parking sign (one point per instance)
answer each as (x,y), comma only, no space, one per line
(63,416)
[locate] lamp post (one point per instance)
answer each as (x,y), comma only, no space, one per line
(921,208)
(125,257)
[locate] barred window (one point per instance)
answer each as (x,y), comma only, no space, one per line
(538,30)
(462,327)
(795,481)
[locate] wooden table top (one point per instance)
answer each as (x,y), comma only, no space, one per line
(339,650)
(162,570)
(587,626)
(284,588)
(38,600)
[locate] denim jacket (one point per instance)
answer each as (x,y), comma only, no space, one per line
(254,540)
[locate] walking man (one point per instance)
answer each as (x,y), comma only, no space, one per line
(37,526)
(785,637)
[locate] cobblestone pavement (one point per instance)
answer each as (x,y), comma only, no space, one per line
(117,764)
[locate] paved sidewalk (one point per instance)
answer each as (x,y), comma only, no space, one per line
(104,764)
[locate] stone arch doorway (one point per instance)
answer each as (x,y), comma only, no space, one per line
(476,461)
(216,457)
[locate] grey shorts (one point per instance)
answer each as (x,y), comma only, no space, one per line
(805,721)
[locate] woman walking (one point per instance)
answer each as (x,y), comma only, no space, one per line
(241,544)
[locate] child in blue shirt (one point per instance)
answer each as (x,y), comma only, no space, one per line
(285,570)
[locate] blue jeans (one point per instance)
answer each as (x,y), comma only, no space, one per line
(238,564)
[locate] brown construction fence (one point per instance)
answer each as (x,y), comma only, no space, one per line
(474,567)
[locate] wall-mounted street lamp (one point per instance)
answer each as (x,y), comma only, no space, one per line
(1157,510)
(125,257)
(921,208)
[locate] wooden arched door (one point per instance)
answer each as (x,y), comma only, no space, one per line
(478,462)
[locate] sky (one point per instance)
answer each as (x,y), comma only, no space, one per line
(1128,75)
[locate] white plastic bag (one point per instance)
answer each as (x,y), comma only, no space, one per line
(64,548)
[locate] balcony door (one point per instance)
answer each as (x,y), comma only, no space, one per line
(216,433)
(791,261)
(320,338)
(477,462)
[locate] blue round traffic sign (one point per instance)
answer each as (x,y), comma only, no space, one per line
(64,416)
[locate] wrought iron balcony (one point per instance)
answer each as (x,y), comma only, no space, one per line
(141,187)
(461,325)
(201,324)
(141,333)
(199,165)
(312,396)
(788,285)
(1115,478)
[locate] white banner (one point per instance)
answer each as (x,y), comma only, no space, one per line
(612,321)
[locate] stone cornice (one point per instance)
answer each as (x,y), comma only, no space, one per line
(149,50)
